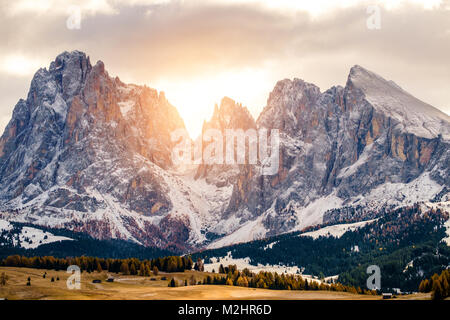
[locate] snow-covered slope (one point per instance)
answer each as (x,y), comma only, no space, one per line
(28,237)
(242,263)
(247,231)
(336,230)
(413,115)
(31,238)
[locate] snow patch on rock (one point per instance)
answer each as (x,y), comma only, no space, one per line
(336,230)
(313,213)
(447,231)
(5,225)
(30,238)
(126,107)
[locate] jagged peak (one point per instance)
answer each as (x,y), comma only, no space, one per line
(40,75)
(229,106)
(294,86)
(227,103)
(100,66)
(230,114)
(296,82)
(66,57)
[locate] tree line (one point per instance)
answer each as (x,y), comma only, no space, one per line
(131,266)
(271,280)
(438,285)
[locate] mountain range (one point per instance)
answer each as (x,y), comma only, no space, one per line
(88,153)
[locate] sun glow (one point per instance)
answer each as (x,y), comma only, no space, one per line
(20,65)
(195,98)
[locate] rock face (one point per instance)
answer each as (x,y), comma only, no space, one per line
(364,147)
(231,116)
(85,152)
(89,153)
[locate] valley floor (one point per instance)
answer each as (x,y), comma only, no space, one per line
(141,288)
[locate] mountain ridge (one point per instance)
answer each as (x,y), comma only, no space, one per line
(89,153)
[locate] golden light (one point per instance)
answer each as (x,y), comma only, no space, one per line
(20,65)
(195,98)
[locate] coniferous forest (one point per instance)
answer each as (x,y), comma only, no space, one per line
(83,245)
(405,243)
(132,266)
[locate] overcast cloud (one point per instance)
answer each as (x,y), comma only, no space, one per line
(169,43)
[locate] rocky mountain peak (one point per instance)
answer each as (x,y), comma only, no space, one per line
(362,78)
(71,60)
(298,91)
(230,115)
(70,69)
(359,70)
(385,96)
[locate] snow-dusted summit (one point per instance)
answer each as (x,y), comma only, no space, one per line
(413,115)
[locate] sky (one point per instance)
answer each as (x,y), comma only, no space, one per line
(200,51)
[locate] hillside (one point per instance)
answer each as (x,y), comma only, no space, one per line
(409,244)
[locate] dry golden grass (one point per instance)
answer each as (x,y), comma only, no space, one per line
(137,288)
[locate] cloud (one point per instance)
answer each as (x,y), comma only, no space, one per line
(58,7)
(314,8)
(185,44)
(321,7)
